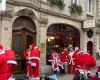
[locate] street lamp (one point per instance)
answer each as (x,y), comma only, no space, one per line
(52,37)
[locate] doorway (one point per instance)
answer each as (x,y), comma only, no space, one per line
(90,47)
(24,33)
(60,36)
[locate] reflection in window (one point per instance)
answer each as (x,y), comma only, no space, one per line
(17,44)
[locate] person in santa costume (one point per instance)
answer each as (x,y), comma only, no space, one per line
(3,64)
(63,61)
(86,63)
(97,77)
(54,59)
(32,56)
(72,57)
(11,61)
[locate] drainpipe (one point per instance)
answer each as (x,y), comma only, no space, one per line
(94,44)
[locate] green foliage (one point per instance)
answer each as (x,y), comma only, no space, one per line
(76,9)
(59,3)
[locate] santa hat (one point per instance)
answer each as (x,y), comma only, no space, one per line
(2,50)
(65,49)
(32,46)
(98,66)
(78,67)
(79,51)
(54,52)
(1,47)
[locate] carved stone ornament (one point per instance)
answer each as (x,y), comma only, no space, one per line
(98,30)
(7,13)
(43,20)
(26,12)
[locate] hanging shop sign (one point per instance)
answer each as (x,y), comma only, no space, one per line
(89,24)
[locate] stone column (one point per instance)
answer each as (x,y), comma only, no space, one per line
(43,35)
(6,29)
(85,41)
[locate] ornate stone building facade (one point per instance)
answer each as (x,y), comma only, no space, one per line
(26,21)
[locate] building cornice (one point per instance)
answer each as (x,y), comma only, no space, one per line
(38,8)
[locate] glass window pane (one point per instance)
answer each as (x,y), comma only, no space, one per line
(89,6)
(90,3)
(17,44)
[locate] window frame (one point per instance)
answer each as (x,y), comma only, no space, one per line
(89,6)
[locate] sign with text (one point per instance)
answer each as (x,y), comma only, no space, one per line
(89,23)
(2,5)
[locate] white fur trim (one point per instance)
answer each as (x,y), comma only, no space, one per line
(98,74)
(11,78)
(33,64)
(11,62)
(2,51)
(37,78)
(79,52)
(33,78)
(35,58)
(50,60)
(88,71)
(82,72)
(86,53)
(55,69)
(35,47)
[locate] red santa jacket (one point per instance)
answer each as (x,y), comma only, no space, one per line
(63,57)
(54,59)
(86,61)
(32,56)
(11,60)
(3,64)
(72,58)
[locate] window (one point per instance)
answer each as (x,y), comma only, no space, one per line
(75,1)
(89,6)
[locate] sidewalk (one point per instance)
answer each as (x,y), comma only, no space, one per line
(70,76)
(63,77)
(66,77)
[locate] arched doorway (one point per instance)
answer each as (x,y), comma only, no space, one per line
(24,33)
(62,35)
(90,47)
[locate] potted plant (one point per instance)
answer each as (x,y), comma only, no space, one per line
(59,3)
(75,9)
